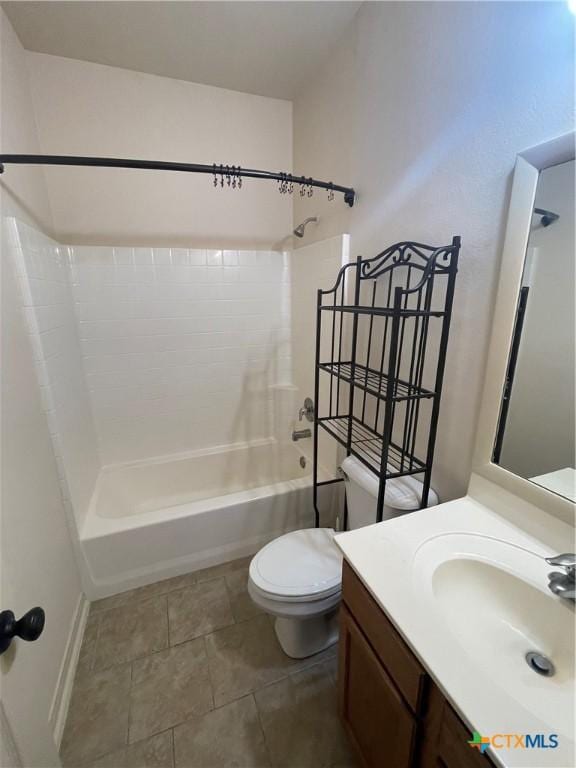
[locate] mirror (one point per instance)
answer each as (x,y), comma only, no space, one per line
(536,430)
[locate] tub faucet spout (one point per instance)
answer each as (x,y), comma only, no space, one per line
(300,434)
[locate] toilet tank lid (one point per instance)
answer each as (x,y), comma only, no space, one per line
(401,492)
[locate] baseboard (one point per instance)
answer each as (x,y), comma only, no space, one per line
(63,690)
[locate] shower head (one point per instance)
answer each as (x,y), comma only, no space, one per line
(299,231)
(547,217)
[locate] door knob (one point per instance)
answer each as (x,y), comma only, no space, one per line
(29,627)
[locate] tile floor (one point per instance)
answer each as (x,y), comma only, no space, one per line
(187,673)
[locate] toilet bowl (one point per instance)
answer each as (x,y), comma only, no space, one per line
(297,578)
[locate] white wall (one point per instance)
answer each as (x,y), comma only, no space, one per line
(539,435)
(23,188)
(324,127)
(90,109)
(181,347)
(443,96)
(45,293)
(37,563)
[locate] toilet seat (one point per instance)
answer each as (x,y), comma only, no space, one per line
(301,566)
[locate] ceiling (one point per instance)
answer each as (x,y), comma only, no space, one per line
(266,48)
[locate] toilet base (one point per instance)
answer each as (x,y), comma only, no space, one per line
(300,638)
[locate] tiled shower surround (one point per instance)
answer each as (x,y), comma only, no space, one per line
(43,274)
(171,354)
(145,352)
(180,347)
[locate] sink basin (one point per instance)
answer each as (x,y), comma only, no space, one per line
(493,597)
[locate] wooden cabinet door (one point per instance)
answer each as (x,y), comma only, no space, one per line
(408,675)
(445,744)
(376,718)
(452,748)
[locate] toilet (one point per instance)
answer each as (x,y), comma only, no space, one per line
(297,578)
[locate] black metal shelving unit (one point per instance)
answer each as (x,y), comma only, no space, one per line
(381,340)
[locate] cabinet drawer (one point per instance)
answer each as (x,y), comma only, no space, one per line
(392,651)
(376,717)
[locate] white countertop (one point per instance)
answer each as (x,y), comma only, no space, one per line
(562,482)
(392,560)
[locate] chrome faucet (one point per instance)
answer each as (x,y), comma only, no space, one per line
(561,583)
(300,434)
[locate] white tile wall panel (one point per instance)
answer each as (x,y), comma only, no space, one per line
(313,266)
(144,352)
(181,347)
(42,266)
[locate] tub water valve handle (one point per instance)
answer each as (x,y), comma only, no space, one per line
(307,410)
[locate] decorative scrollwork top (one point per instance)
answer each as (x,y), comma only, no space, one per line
(415,255)
(426,259)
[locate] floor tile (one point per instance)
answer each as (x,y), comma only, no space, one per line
(131,631)
(156,752)
(229,737)
(243,658)
(300,721)
(168,688)
(116,723)
(167,585)
(198,609)
(98,716)
(221,570)
(114,601)
(242,605)
(143,593)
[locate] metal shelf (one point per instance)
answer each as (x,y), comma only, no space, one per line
(377,333)
(366,445)
(380,311)
(375,382)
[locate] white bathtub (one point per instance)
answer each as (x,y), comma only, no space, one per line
(156,519)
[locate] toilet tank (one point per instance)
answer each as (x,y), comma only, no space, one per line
(402,494)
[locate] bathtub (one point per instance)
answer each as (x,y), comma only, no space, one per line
(152,520)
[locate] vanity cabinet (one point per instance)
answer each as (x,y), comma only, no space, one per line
(377,719)
(393,713)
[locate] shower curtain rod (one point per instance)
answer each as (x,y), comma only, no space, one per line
(230,175)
